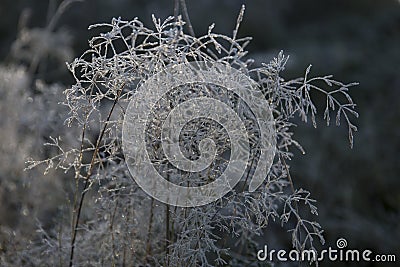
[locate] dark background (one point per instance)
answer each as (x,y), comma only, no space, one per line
(358,190)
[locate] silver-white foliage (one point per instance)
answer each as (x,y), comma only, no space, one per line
(113,221)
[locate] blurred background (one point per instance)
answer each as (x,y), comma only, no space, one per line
(358,190)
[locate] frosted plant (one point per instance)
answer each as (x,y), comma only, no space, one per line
(113,221)
(27,120)
(36,45)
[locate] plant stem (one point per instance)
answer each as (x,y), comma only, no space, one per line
(87,178)
(186,16)
(148,241)
(176,9)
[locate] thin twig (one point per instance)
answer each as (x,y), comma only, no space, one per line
(186,17)
(49,28)
(291,184)
(78,171)
(148,240)
(60,10)
(87,178)
(112,232)
(167,233)
(176,9)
